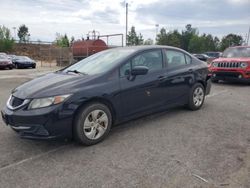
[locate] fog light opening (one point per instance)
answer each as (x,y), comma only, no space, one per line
(240,76)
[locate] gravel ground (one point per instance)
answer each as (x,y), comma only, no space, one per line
(175,148)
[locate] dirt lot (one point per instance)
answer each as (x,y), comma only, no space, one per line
(176,148)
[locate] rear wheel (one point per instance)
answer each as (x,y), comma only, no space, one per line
(196,97)
(92,123)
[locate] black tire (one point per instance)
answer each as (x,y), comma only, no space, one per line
(33,67)
(10,67)
(191,102)
(17,66)
(82,115)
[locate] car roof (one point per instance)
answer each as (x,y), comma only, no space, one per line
(149,47)
(239,47)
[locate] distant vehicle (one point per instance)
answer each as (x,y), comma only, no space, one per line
(2,53)
(24,62)
(202,57)
(84,48)
(11,57)
(213,54)
(233,65)
(5,62)
(85,99)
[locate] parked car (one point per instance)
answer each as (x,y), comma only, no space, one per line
(202,57)
(5,62)
(213,54)
(2,53)
(24,62)
(234,65)
(85,99)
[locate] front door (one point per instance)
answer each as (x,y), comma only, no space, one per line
(144,92)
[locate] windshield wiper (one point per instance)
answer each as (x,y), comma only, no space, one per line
(77,72)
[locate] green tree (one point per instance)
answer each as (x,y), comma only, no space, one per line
(149,41)
(23,33)
(172,38)
(62,40)
(133,39)
(161,38)
(230,40)
(187,35)
(6,41)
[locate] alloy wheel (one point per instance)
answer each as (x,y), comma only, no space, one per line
(198,96)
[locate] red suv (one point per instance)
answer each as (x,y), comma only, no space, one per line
(234,65)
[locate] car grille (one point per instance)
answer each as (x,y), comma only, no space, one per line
(229,64)
(14,101)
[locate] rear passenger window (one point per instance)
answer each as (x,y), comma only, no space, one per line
(151,59)
(188,59)
(175,58)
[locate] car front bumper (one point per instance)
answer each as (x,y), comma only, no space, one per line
(231,76)
(44,123)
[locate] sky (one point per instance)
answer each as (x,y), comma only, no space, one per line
(45,18)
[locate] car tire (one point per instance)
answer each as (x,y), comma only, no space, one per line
(16,66)
(92,124)
(196,97)
(10,68)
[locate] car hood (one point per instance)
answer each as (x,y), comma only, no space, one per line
(24,61)
(52,84)
(239,59)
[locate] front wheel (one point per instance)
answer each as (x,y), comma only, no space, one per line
(92,123)
(196,97)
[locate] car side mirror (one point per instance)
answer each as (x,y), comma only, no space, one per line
(139,70)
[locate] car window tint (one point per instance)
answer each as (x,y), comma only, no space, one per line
(125,69)
(174,58)
(188,59)
(151,59)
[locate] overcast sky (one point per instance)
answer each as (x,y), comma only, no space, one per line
(77,17)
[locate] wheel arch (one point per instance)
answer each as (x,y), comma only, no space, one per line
(101,100)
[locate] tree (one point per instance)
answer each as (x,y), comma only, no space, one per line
(187,35)
(6,41)
(231,40)
(62,40)
(23,33)
(133,38)
(172,38)
(161,38)
(149,41)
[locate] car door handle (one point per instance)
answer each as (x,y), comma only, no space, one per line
(190,70)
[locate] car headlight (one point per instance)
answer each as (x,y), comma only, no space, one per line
(243,65)
(48,101)
(215,64)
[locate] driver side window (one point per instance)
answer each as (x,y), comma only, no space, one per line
(151,59)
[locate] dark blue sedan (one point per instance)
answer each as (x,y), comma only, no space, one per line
(84,100)
(23,62)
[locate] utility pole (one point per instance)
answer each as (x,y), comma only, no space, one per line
(248,36)
(156,31)
(126,24)
(14,28)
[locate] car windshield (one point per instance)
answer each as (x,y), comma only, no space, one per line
(237,52)
(99,62)
(3,57)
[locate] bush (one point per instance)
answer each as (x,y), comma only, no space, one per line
(6,41)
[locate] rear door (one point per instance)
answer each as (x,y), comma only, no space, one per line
(145,92)
(180,75)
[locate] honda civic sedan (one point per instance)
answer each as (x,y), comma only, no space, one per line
(84,100)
